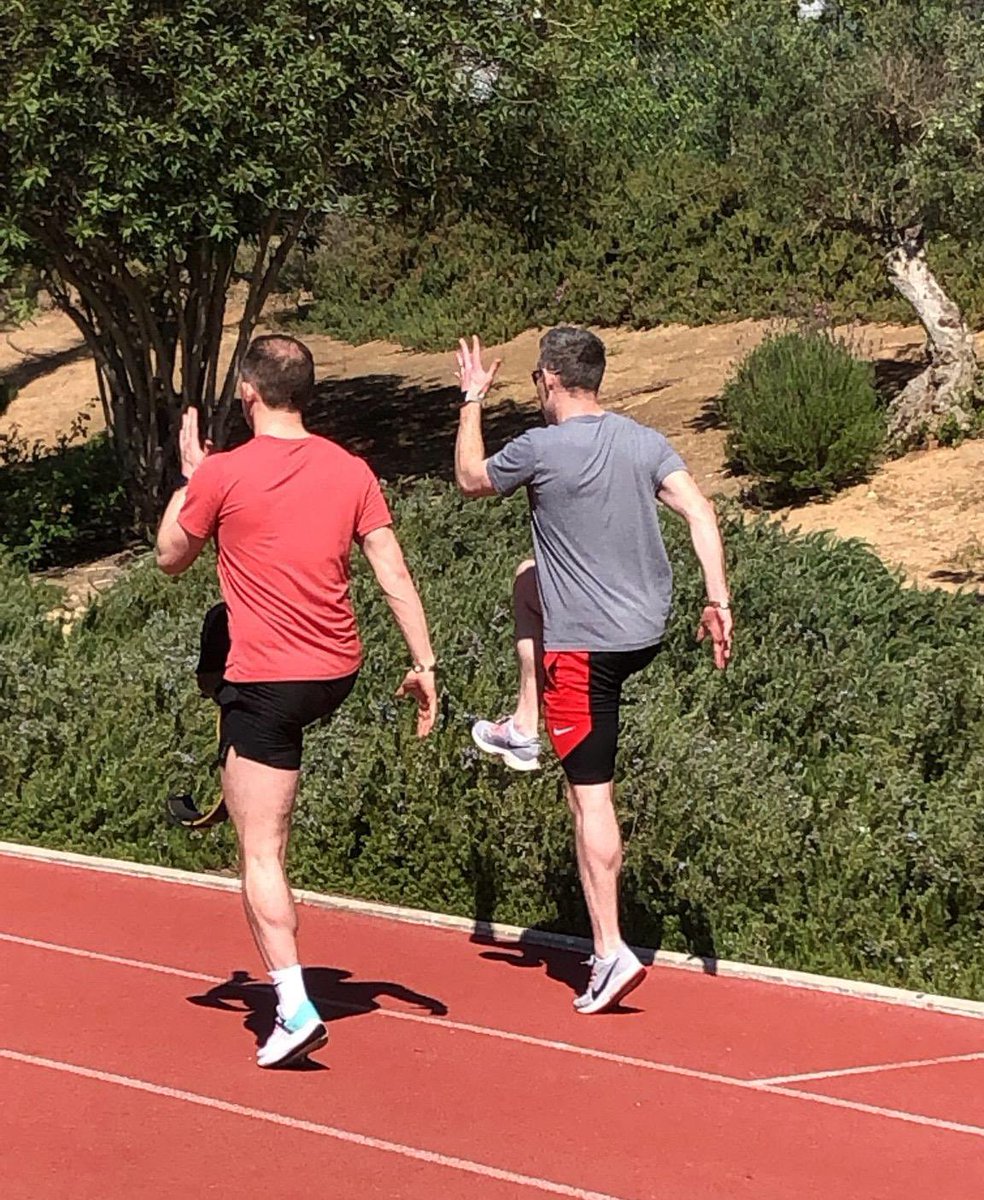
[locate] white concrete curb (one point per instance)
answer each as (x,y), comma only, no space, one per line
(856,989)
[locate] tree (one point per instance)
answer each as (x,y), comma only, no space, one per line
(153,152)
(868,118)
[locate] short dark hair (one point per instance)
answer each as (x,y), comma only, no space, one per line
(576,356)
(282,371)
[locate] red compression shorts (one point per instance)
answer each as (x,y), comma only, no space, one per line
(582,699)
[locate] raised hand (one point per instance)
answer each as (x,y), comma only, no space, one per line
(475,379)
(190,447)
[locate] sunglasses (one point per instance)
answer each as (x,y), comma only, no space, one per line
(536,376)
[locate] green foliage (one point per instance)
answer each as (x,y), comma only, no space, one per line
(18,302)
(678,241)
(803,416)
(694,170)
(819,806)
(143,145)
(62,504)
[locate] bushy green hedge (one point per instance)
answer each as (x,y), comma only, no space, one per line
(803,416)
(819,806)
(63,503)
(679,241)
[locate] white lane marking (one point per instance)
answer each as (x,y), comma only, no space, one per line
(76,952)
(768,1087)
(874,1068)
(849,989)
(341,1135)
(894,1114)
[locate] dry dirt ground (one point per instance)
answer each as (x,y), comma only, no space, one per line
(923,513)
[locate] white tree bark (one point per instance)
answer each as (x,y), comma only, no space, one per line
(946,388)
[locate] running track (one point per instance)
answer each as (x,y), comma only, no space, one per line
(456,1068)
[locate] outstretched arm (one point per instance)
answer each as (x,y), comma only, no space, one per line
(680,492)
(385,557)
(470,471)
(177,549)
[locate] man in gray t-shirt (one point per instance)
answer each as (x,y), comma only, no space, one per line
(592,608)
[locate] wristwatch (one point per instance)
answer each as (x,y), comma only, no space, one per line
(420,669)
(721,605)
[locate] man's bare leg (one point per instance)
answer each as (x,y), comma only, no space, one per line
(616,970)
(529,649)
(598,841)
(260,800)
(516,738)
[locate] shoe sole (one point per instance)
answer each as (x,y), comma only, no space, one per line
(315,1040)
(507,756)
(623,989)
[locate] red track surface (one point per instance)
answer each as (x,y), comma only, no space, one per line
(456,1069)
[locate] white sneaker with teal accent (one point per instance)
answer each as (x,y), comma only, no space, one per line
(516,750)
(294,1038)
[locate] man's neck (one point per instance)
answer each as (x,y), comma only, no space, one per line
(577,404)
(278,423)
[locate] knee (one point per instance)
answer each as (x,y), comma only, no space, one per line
(260,859)
(591,800)
(524,583)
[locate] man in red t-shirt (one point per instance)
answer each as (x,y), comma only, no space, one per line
(285,510)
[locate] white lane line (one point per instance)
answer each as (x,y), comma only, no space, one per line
(76,952)
(769,1087)
(853,989)
(396,1015)
(875,1068)
(484,1170)
(874,1110)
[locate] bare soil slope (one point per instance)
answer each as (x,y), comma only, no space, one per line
(923,513)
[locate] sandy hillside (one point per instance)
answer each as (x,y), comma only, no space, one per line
(924,513)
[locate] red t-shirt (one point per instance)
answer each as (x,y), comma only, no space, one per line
(285,513)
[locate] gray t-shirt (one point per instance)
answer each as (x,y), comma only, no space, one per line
(605,581)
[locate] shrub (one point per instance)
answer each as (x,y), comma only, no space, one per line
(675,240)
(819,806)
(803,416)
(63,504)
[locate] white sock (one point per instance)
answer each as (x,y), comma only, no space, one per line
(291,993)
(609,958)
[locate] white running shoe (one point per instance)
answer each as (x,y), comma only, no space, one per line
(293,1039)
(517,751)
(611,981)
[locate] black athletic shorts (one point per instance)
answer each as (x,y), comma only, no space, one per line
(265,722)
(581,699)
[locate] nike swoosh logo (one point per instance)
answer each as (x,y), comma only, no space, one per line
(568,729)
(596,991)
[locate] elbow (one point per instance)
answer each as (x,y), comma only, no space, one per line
(167,564)
(470,488)
(703,514)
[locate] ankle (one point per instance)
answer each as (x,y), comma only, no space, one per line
(291,992)
(607,950)
(525,727)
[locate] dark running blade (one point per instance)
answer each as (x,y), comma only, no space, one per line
(182,810)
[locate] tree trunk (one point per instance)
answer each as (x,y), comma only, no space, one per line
(944,392)
(156,337)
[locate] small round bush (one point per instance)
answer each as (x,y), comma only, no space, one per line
(804,417)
